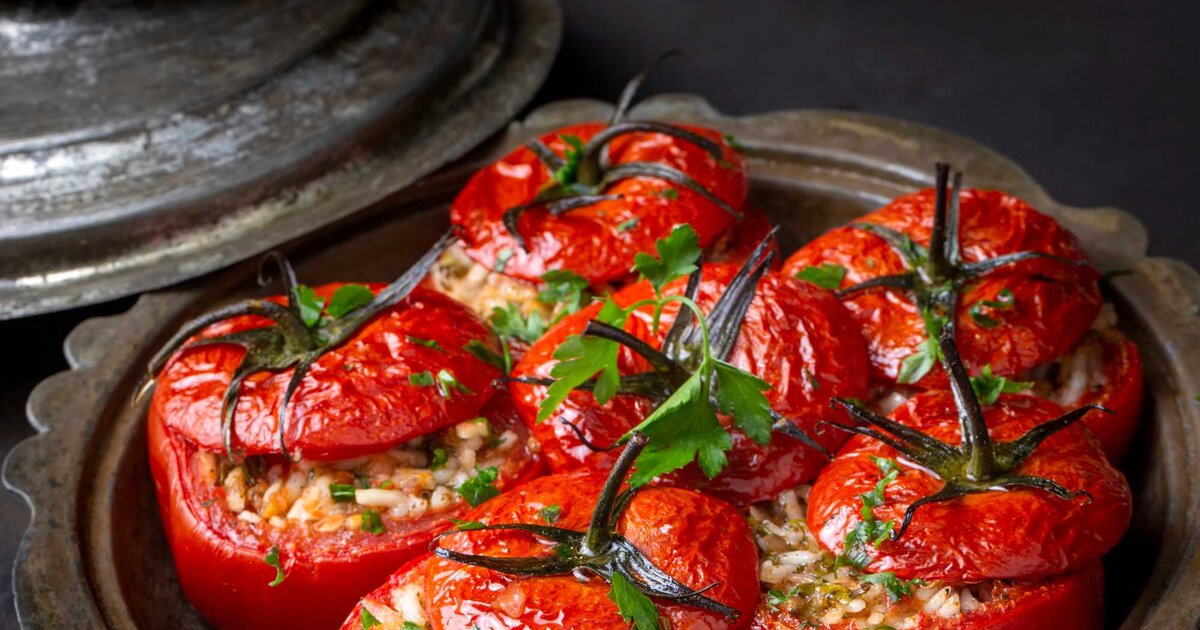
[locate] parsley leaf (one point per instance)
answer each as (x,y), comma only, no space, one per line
(565,288)
(827,276)
(421,379)
(869,531)
(348,297)
(446,384)
(428,343)
(487,355)
(440,455)
(581,358)
(741,395)
(896,588)
(550,513)
(677,257)
(341,492)
(775,597)
(369,621)
(408,625)
(466,526)
(668,193)
(915,366)
(627,224)
(372,523)
(634,606)
(479,488)
(682,428)
(1004,300)
(310,305)
(272,560)
(509,322)
(989,386)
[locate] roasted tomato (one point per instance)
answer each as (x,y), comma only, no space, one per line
(550,553)
(1104,369)
(1017,282)
(588,197)
(390,429)
(1068,602)
(399,601)
(794,336)
(1011,490)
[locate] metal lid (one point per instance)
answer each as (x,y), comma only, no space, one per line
(149,145)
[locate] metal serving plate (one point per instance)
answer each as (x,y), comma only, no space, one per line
(148,144)
(95,554)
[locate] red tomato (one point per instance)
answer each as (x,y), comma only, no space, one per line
(1054,303)
(350,393)
(1117,387)
(740,241)
(378,603)
(999,534)
(1068,602)
(794,336)
(598,241)
(694,538)
(356,399)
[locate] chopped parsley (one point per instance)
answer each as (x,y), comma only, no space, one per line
(447,384)
(869,530)
(989,386)
(408,625)
(466,526)
(372,523)
(348,297)
(827,275)
(635,607)
(509,322)
(734,144)
(502,362)
(272,560)
(439,457)
(428,343)
(627,224)
(1004,300)
(775,597)
(896,588)
(564,288)
(481,487)
(550,513)
(369,621)
(341,492)
(668,193)
(421,379)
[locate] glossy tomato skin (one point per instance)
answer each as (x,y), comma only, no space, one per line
(1055,304)
(220,559)
(599,241)
(1121,393)
(697,539)
(1073,601)
(737,244)
(355,400)
(411,574)
(795,336)
(1014,534)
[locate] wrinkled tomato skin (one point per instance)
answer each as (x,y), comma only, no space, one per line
(1068,602)
(412,573)
(599,241)
(697,539)
(220,561)
(795,336)
(1121,394)
(737,244)
(1055,304)
(1014,534)
(355,400)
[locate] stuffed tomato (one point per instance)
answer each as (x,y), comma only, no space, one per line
(303,447)
(793,339)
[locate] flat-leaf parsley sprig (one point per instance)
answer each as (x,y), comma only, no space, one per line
(689,379)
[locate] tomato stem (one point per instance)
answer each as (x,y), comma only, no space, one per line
(600,532)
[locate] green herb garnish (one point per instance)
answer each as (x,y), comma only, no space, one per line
(481,487)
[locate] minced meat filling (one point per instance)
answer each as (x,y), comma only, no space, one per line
(798,577)
(420,476)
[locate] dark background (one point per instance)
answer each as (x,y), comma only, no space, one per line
(1098,101)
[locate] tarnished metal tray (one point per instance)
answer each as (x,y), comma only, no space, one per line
(95,554)
(144,144)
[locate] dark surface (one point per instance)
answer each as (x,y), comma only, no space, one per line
(1097,104)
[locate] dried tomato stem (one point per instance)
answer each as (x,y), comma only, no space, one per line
(599,533)
(976,441)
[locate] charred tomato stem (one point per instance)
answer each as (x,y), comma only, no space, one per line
(600,533)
